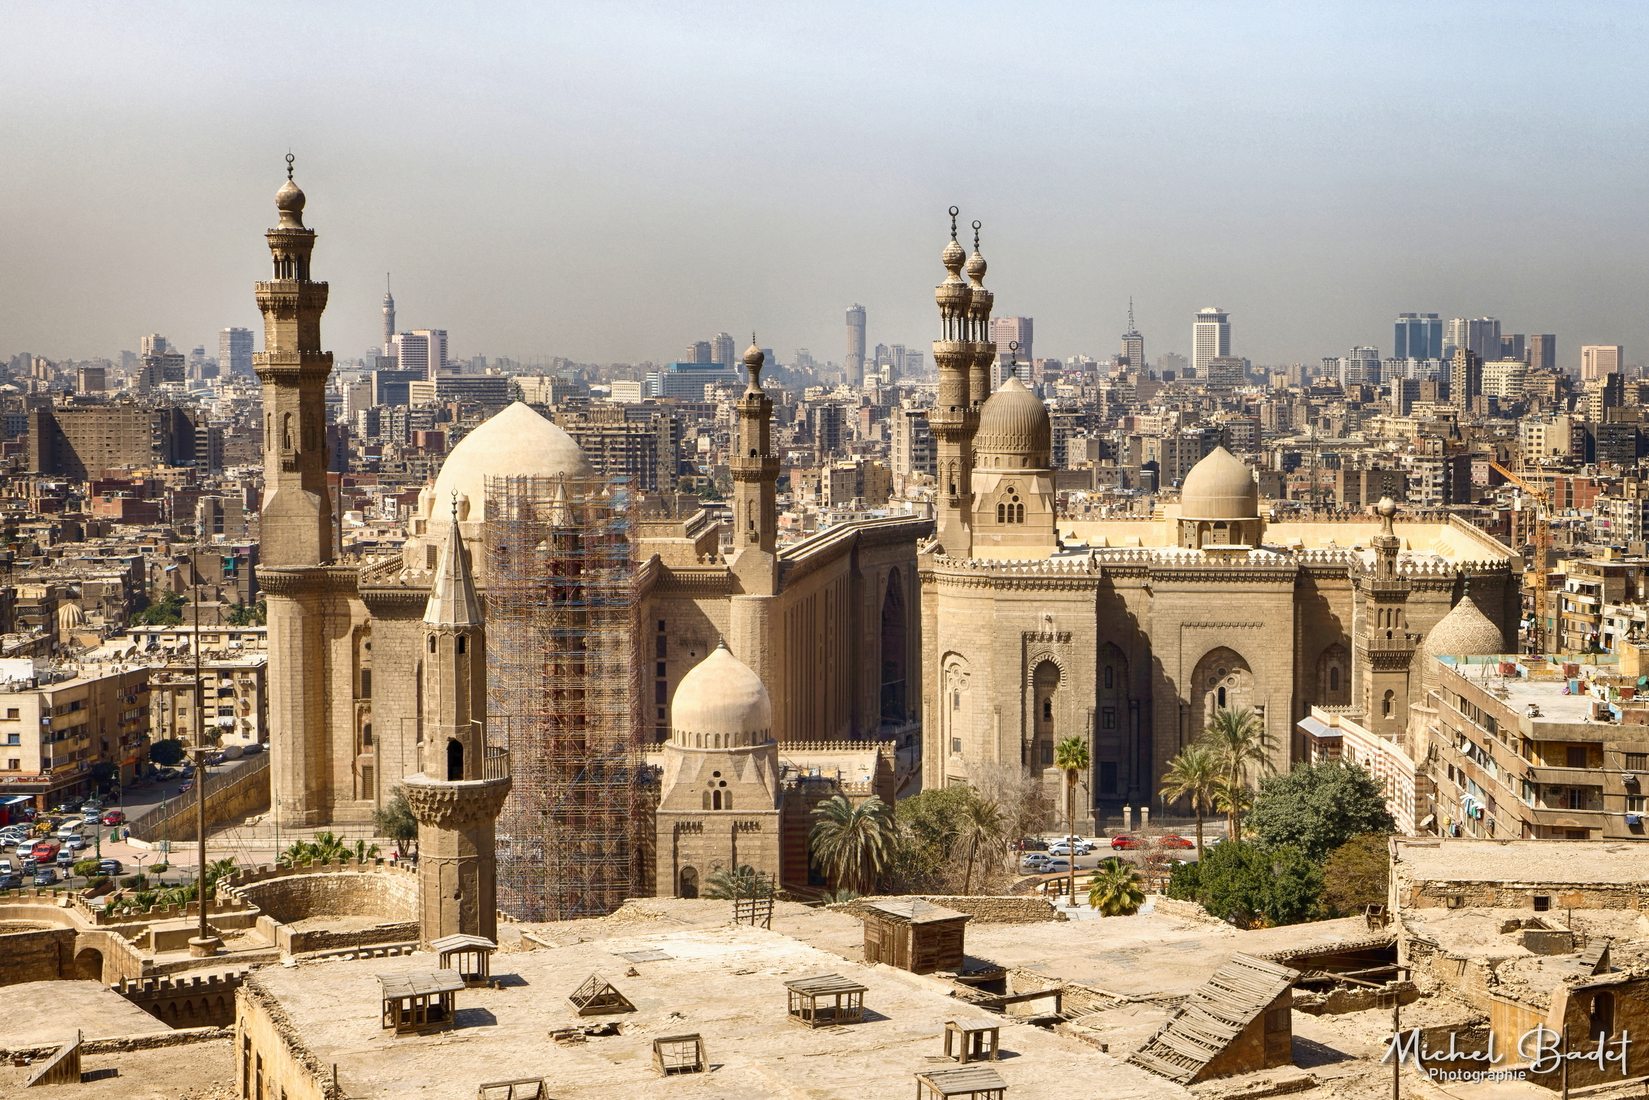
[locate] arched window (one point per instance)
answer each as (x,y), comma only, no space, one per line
(455,759)
(432,643)
(689,887)
(1110,676)
(286,432)
(1220,696)
(1385,704)
(1001,510)
(715,800)
(1047,710)
(461,640)
(727,800)
(1334,678)
(1019,513)
(707,800)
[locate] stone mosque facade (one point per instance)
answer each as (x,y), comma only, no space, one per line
(1129,632)
(827,627)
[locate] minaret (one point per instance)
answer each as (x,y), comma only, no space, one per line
(461,787)
(979,320)
(311,685)
(389,318)
(954,417)
(755,563)
(1386,648)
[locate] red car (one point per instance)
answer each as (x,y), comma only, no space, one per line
(1123,842)
(114,817)
(1172,841)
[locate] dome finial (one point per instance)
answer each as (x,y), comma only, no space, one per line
(289,199)
(290,160)
(1013,355)
(953,212)
(976,225)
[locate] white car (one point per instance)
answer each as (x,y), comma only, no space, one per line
(1033,861)
(1065,848)
(1056,866)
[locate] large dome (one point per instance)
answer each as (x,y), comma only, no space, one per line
(721,704)
(515,442)
(1014,431)
(1221,486)
(1464,632)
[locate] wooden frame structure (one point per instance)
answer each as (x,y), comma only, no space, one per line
(469,956)
(520,1088)
(421,1000)
(61,1068)
(974,1042)
(847,997)
(675,1054)
(973,1082)
(914,935)
(598,997)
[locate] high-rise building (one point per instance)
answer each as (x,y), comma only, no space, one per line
(1479,335)
(1543,351)
(699,351)
(423,350)
(855,362)
(1597,360)
(1514,346)
(235,352)
(153,344)
(389,318)
(721,350)
(1011,330)
(1465,379)
(1210,338)
(1133,344)
(1417,336)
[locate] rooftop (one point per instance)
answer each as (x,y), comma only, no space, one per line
(1595,862)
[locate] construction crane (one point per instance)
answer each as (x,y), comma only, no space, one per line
(1534,578)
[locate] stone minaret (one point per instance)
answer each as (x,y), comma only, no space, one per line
(1385,645)
(311,690)
(457,795)
(954,417)
(979,322)
(755,564)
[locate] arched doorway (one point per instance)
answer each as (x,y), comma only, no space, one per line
(88,964)
(455,759)
(893,651)
(1222,680)
(954,710)
(689,884)
(1044,715)
(1333,676)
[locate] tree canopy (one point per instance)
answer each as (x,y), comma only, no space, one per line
(1319,807)
(1251,886)
(1356,874)
(166,752)
(166,611)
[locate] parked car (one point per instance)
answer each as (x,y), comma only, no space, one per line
(45,876)
(1124,842)
(1056,866)
(186,786)
(114,817)
(76,843)
(1033,861)
(11,882)
(45,851)
(66,858)
(1173,841)
(109,867)
(92,804)
(70,828)
(253,749)
(1063,847)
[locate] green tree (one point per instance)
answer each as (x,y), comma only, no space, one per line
(982,829)
(1318,807)
(1115,889)
(852,842)
(742,881)
(166,611)
(394,819)
(84,867)
(1071,757)
(326,847)
(256,614)
(104,775)
(1251,886)
(1193,775)
(166,753)
(1241,742)
(923,859)
(1356,874)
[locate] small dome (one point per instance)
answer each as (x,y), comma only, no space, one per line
(721,703)
(1386,508)
(515,442)
(1464,632)
(753,357)
(289,201)
(1221,486)
(70,616)
(953,256)
(976,267)
(1014,425)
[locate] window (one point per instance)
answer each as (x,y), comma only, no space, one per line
(1542,903)
(956,745)
(1001,511)
(1108,718)
(15,765)
(11,713)
(461,640)
(1047,754)
(366,683)
(1110,676)
(1047,710)
(1637,761)
(1334,678)
(1634,803)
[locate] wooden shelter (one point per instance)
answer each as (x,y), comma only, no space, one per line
(598,997)
(421,1000)
(1239,1021)
(844,1000)
(673,1054)
(913,935)
(520,1088)
(973,1082)
(973,1042)
(469,956)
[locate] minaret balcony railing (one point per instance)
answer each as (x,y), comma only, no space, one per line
(496,763)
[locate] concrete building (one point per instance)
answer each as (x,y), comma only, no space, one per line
(1010,330)
(57,727)
(84,441)
(1417,336)
(855,363)
(1479,335)
(1210,338)
(1542,349)
(1598,360)
(235,352)
(422,350)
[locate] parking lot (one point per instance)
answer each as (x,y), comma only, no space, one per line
(1163,848)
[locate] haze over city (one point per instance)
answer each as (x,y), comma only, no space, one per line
(609,181)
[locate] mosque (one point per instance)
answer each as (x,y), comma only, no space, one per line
(1129,632)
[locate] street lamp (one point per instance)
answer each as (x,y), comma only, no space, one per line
(205,944)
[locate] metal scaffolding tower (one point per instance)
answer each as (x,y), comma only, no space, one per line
(563,687)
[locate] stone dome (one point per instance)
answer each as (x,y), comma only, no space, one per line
(1220,487)
(515,442)
(721,704)
(289,201)
(70,616)
(1464,631)
(1014,430)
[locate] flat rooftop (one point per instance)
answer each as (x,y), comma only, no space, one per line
(1549,693)
(1595,862)
(46,1013)
(726,983)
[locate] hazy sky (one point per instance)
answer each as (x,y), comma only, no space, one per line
(610,181)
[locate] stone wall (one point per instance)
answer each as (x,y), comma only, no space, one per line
(38,955)
(1439,894)
(293,942)
(984,909)
(185,1001)
(269,1054)
(291,894)
(246,794)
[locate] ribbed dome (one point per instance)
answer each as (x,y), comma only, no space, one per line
(1464,632)
(721,703)
(515,442)
(1013,425)
(1221,486)
(70,616)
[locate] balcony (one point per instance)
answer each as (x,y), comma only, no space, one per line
(1566,777)
(496,764)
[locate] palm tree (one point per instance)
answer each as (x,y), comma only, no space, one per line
(983,825)
(1115,889)
(1240,740)
(852,842)
(742,881)
(1195,775)
(1071,757)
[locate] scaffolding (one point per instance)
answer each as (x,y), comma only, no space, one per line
(563,687)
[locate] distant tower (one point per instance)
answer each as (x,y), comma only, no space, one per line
(954,417)
(1133,344)
(461,787)
(855,344)
(389,318)
(308,599)
(1210,338)
(1385,647)
(721,350)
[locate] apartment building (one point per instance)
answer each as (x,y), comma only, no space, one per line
(57,726)
(1598,596)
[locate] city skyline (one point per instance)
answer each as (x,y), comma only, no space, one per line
(572,186)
